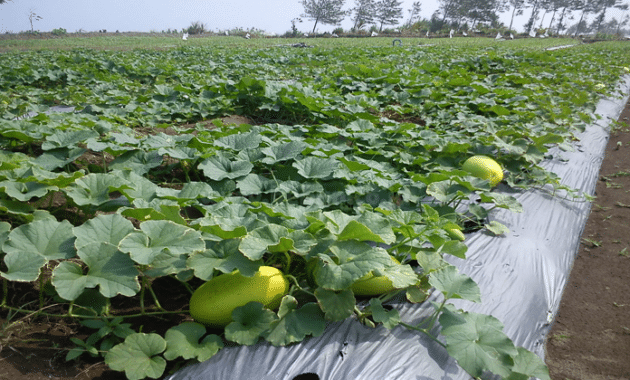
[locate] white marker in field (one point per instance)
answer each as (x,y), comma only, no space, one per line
(374,34)
(185,36)
(450,34)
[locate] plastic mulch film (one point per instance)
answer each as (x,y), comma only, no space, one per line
(521,274)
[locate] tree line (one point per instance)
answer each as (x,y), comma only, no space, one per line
(552,15)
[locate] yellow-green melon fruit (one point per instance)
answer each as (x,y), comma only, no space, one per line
(456,234)
(485,168)
(213,302)
(370,285)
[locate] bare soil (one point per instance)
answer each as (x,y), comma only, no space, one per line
(590,339)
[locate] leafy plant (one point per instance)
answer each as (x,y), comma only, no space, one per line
(196,27)
(349,158)
(59,32)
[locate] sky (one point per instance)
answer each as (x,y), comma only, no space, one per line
(273,16)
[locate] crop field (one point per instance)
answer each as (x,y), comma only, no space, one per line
(133,170)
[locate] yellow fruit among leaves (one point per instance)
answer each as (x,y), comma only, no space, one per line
(213,302)
(484,167)
(456,234)
(370,285)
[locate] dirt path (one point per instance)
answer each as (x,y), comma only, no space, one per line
(590,339)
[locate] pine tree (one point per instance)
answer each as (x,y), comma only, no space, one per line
(388,12)
(364,13)
(324,11)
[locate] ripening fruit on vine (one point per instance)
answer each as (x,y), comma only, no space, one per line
(370,285)
(484,167)
(456,234)
(213,302)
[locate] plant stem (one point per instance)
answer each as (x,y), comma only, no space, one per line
(287,255)
(434,317)
(424,331)
(185,284)
(5,291)
(66,315)
(142,288)
(393,248)
(297,286)
(155,299)
(41,291)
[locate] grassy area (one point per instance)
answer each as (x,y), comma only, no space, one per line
(162,42)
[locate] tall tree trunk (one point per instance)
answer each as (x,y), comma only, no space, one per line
(512,19)
(314,26)
(577,27)
(601,19)
(564,10)
(532,18)
(620,22)
(553,16)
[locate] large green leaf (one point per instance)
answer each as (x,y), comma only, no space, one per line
(218,168)
(109,229)
(157,237)
(401,276)
(25,191)
(157,209)
(138,356)
(65,139)
(95,189)
(336,305)
(16,208)
(275,238)
(389,318)
(57,158)
(477,342)
(283,152)
(239,141)
(30,246)
(138,161)
(295,324)
(109,269)
(185,341)
(365,227)
(528,365)
(254,184)
(139,187)
(228,221)
(223,256)
(250,321)
(5,228)
(346,262)
(315,167)
(190,190)
(453,284)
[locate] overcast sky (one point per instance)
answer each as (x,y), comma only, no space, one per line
(145,15)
